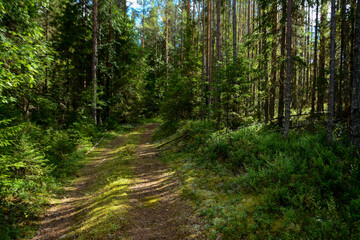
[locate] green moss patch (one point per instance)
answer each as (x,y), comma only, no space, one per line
(103,211)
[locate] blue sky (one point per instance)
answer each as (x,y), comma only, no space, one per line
(133,4)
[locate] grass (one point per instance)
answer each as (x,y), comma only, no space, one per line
(101,205)
(103,213)
(150,201)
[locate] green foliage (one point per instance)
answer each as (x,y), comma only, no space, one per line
(179,100)
(252,183)
(25,182)
(21,49)
(165,130)
(233,87)
(33,163)
(46,94)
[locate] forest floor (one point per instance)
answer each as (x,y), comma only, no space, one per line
(123,192)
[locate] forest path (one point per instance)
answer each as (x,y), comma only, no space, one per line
(123,192)
(157,210)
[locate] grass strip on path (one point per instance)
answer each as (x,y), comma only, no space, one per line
(103,213)
(95,204)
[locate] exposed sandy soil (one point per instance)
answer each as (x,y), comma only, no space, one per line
(156,210)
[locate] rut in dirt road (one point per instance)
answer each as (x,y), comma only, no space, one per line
(60,220)
(123,192)
(157,210)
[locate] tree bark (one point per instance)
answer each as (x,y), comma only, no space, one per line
(344,60)
(355,85)
(314,83)
(282,68)
(307,45)
(248,25)
(265,63)
(273,63)
(143,25)
(108,62)
(218,51)
(124,7)
(288,67)
(331,104)
(203,64)
(240,24)
(47,28)
(234,29)
(166,42)
(94,59)
(208,49)
(321,80)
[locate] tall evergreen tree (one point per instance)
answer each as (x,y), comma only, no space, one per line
(331,104)
(355,85)
(288,66)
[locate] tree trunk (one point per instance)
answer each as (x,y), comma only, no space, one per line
(331,104)
(47,40)
(308,69)
(124,7)
(352,13)
(213,54)
(208,48)
(166,42)
(355,85)
(234,29)
(218,48)
(265,63)
(288,67)
(94,59)
(156,57)
(239,24)
(199,28)
(321,80)
(282,69)
(344,63)
(193,26)
(143,26)
(108,63)
(203,65)
(182,40)
(248,25)
(313,98)
(273,63)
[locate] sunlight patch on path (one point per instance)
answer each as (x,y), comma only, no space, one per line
(157,211)
(96,203)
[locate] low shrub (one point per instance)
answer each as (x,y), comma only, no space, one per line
(34,162)
(25,183)
(265,186)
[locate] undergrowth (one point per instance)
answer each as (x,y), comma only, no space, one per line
(35,162)
(254,184)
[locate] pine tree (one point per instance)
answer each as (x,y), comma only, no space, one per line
(355,85)
(94,60)
(288,67)
(331,104)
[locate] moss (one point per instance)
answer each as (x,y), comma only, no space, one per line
(150,201)
(104,209)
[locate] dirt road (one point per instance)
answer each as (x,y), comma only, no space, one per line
(123,192)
